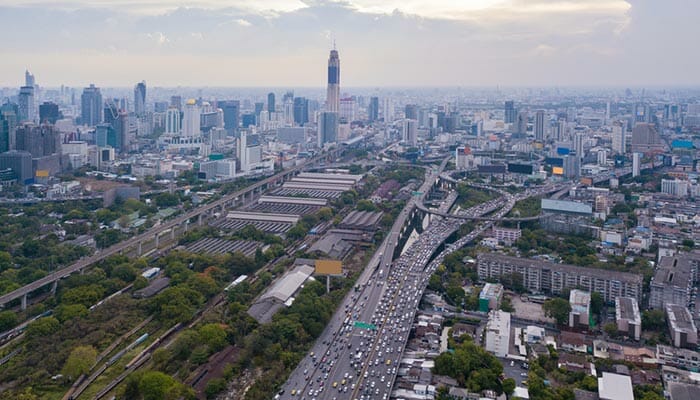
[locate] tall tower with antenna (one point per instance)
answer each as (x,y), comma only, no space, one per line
(333,93)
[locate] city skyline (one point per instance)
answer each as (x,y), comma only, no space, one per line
(239,43)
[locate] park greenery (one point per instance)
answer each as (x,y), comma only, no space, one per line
(473,367)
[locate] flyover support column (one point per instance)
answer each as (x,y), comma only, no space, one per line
(24,302)
(328,283)
(157,240)
(172,234)
(54,286)
(199,220)
(139,250)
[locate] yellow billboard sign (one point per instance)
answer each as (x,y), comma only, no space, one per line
(42,173)
(328,267)
(558,170)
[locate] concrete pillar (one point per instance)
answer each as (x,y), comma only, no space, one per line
(157,240)
(328,283)
(54,286)
(199,220)
(172,233)
(187,223)
(139,249)
(24,302)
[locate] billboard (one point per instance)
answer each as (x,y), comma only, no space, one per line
(42,173)
(492,169)
(562,151)
(328,267)
(520,168)
(558,170)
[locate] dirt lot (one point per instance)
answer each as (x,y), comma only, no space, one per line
(529,310)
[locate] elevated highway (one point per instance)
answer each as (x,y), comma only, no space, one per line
(180,223)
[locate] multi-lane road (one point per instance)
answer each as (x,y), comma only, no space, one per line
(358,354)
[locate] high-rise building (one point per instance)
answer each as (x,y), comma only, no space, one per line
(8,123)
(243,151)
(140,99)
(91,106)
(39,140)
(619,142)
(172,121)
(29,79)
(232,118)
(26,104)
(333,92)
(410,132)
(636,164)
(259,107)
(48,113)
(20,162)
(388,110)
(327,128)
(301,110)
(411,111)
(645,139)
(373,109)
(191,119)
(160,106)
(539,126)
(510,112)
(348,109)
(176,101)
(270,102)
(521,125)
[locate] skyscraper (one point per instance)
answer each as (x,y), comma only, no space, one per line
(91,105)
(539,125)
(232,111)
(301,110)
(327,128)
(646,139)
(619,143)
(521,125)
(172,121)
(388,110)
(29,79)
(140,98)
(410,132)
(510,112)
(373,109)
(26,104)
(8,123)
(191,120)
(411,111)
(270,102)
(39,140)
(48,112)
(333,93)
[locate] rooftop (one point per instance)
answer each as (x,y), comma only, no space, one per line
(683,391)
(615,387)
(491,290)
(627,308)
(680,319)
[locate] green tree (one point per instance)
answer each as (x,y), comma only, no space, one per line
(610,329)
(79,362)
(43,327)
(214,336)
(167,200)
(8,320)
(597,303)
(214,387)
(558,309)
(653,320)
(65,312)
(508,386)
(155,385)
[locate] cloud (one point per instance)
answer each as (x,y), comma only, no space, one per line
(381,43)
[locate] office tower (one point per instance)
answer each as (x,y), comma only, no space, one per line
(20,162)
(333,93)
(104,135)
(539,126)
(160,106)
(373,109)
(39,140)
(288,112)
(8,123)
(327,128)
(301,110)
(243,151)
(619,143)
(510,112)
(411,111)
(642,113)
(172,121)
(91,106)
(270,102)
(248,119)
(26,104)
(572,165)
(578,143)
(410,132)
(636,164)
(176,101)
(645,139)
(111,111)
(122,133)
(259,107)
(348,109)
(48,113)
(521,125)
(192,119)
(232,110)
(29,79)
(140,98)
(388,110)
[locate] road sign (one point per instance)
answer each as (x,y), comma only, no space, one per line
(416,193)
(364,325)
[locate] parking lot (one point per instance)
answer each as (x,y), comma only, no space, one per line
(529,310)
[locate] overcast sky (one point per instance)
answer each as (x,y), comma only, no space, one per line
(381,43)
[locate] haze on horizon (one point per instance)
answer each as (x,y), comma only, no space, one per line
(275,43)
